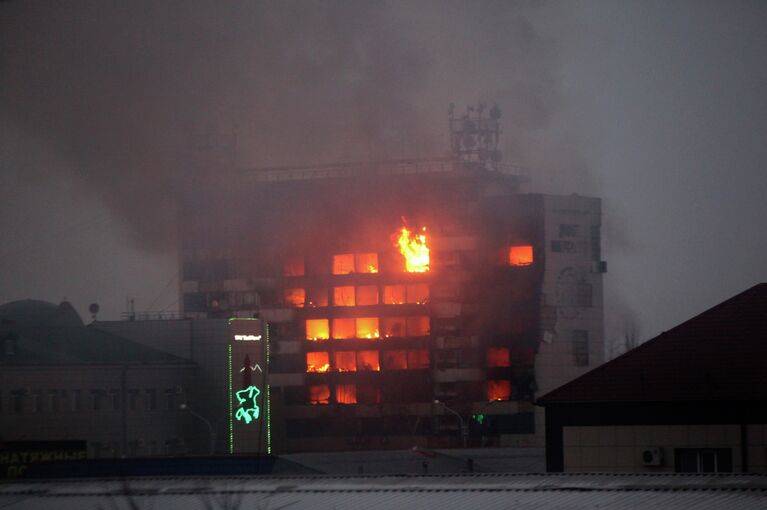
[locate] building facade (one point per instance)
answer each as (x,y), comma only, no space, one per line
(63,382)
(369,349)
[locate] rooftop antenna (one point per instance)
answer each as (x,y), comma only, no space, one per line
(474,136)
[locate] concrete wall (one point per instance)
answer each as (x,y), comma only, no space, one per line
(576,264)
(49,411)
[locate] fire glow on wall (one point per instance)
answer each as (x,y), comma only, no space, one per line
(249,405)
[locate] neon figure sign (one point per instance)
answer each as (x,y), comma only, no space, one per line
(246,398)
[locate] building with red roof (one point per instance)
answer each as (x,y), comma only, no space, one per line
(691,399)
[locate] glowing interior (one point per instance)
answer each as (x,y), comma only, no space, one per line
(395,360)
(521,255)
(367,295)
(367,327)
(418,325)
(319,394)
(343,296)
(418,359)
(498,357)
(345,361)
(295,297)
(418,293)
(346,393)
(316,297)
(366,262)
(368,360)
(343,328)
(498,390)
(293,266)
(394,326)
(317,362)
(394,294)
(317,329)
(343,264)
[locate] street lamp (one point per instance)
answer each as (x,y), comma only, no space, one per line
(463,430)
(185,407)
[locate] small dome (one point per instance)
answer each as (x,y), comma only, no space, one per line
(33,312)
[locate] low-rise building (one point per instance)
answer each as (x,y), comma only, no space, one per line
(692,399)
(63,381)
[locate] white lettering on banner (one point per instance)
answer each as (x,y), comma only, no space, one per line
(247,338)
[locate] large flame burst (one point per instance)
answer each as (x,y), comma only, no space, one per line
(415,250)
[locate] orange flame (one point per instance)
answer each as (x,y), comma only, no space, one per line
(318,369)
(414,249)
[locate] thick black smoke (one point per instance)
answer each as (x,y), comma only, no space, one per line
(136,96)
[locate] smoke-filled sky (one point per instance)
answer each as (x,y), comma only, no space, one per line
(657,107)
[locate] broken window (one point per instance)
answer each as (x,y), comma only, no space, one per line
(343,264)
(520,255)
(367,295)
(317,362)
(394,294)
(317,297)
(568,230)
(498,390)
(368,360)
(366,262)
(319,394)
(418,293)
(418,358)
(346,393)
(317,329)
(564,246)
(395,360)
(418,326)
(498,357)
(581,347)
(343,328)
(367,327)
(394,326)
(294,297)
(345,361)
(294,266)
(343,296)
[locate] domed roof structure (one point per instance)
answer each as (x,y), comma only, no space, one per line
(34,312)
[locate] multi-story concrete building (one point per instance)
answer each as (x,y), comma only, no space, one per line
(409,303)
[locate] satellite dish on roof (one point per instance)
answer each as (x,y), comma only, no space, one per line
(94,309)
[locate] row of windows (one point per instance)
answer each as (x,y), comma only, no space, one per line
(345,263)
(56,401)
(320,394)
(350,263)
(353,361)
(367,327)
(361,295)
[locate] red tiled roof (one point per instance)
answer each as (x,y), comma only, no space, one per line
(718,355)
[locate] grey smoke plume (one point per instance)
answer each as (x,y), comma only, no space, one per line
(135,96)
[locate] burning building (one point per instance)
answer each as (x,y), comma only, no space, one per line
(408,303)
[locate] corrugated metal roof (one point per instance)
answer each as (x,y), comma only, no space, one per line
(443,492)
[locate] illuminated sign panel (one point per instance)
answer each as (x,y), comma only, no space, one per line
(249,409)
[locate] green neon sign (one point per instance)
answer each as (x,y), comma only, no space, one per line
(248,410)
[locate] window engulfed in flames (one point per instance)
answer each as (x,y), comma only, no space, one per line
(498,390)
(520,255)
(317,362)
(414,249)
